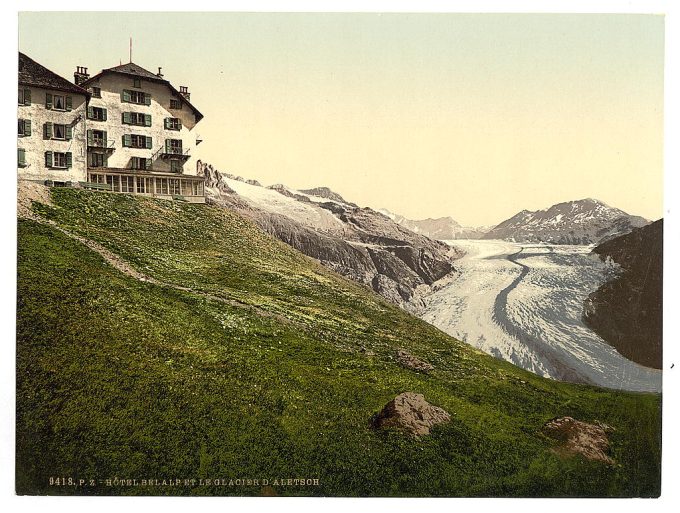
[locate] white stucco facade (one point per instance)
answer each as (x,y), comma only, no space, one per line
(120,123)
(124,130)
(65,136)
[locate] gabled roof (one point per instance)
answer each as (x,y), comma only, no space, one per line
(33,74)
(133,70)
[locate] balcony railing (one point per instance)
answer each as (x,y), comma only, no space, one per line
(173,153)
(101,144)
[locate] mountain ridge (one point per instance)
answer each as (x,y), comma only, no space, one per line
(439,228)
(357,242)
(585,221)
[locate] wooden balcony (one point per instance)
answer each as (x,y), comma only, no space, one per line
(101,145)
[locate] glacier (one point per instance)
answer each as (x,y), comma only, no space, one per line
(523,303)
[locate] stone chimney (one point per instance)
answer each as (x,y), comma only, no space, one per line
(80,75)
(184,91)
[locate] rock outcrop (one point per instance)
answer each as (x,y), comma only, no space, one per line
(627,311)
(411,362)
(588,440)
(411,413)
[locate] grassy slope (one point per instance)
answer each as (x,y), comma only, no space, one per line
(120,378)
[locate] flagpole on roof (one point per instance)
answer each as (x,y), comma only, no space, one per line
(130,48)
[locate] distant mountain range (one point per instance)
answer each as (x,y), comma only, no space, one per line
(586,221)
(441,228)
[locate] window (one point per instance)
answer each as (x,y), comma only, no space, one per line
(136,141)
(136,82)
(98,178)
(173,124)
(143,185)
(127,183)
(176,104)
(173,146)
(113,181)
(175,166)
(137,118)
(21,157)
(96,113)
(96,160)
(138,97)
(140,163)
(59,160)
(162,185)
(174,186)
(59,131)
(58,102)
(139,141)
(24,96)
(96,92)
(25,127)
(97,138)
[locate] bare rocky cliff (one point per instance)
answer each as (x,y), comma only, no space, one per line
(627,311)
(358,243)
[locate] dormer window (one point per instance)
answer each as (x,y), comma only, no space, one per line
(136,82)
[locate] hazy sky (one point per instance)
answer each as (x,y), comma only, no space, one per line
(472,116)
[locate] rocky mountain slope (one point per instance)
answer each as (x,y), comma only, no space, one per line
(164,340)
(442,228)
(627,311)
(358,243)
(587,221)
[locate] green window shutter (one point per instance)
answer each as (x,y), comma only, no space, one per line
(69,103)
(106,161)
(27,96)
(89,137)
(69,159)
(127,140)
(147,119)
(21,156)
(47,129)
(104,114)
(27,127)
(69,132)
(48,101)
(167,146)
(48,159)
(127,118)
(148,163)
(125,96)
(105,138)
(166,123)
(147,99)
(179,124)
(90,112)
(148,143)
